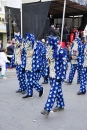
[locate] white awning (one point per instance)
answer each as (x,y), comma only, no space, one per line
(32,1)
(11,3)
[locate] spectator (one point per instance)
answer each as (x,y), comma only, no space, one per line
(13,41)
(52,30)
(65,35)
(1,45)
(57,33)
(10,50)
(3,61)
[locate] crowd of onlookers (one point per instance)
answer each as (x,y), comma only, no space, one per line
(56,31)
(68,36)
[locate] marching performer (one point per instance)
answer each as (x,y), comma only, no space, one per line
(33,65)
(83,68)
(75,50)
(57,58)
(45,67)
(19,60)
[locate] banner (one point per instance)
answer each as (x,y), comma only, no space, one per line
(14,3)
(35,19)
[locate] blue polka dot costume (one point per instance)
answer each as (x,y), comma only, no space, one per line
(19,60)
(33,65)
(45,67)
(83,67)
(57,58)
(75,50)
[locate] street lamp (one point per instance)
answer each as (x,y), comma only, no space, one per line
(10,17)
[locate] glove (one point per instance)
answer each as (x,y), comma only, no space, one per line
(38,71)
(23,70)
(58,80)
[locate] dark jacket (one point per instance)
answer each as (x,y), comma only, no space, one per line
(1,46)
(10,50)
(52,31)
(57,32)
(65,33)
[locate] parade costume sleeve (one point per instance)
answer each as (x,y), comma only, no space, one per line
(12,63)
(23,58)
(44,60)
(37,58)
(61,65)
(81,56)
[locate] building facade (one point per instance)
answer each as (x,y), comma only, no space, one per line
(3,33)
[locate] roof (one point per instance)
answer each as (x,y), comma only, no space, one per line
(72,8)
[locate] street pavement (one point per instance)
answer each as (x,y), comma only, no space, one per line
(25,114)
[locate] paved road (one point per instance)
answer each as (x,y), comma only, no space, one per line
(24,114)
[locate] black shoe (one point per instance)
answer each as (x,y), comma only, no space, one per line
(18,91)
(45,83)
(28,96)
(45,112)
(41,93)
(23,92)
(80,93)
(68,82)
(57,109)
(78,83)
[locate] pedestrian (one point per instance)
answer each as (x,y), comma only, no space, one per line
(65,34)
(57,33)
(3,61)
(1,45)
(57,58)
(52,30)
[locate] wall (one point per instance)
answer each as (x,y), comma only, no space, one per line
(4,40)
(3,31)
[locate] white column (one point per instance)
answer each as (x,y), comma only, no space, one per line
(21,21)
(63,20)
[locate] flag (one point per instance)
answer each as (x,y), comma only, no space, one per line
(14,3)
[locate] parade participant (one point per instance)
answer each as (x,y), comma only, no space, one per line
(83,68)
(57,58)
(75,50)
(19,60)
(45,68)
(33,65)
(3,61)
